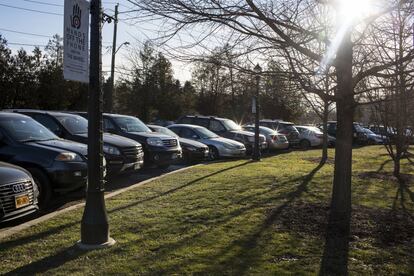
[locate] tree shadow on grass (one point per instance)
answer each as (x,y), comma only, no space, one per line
(335,254)
(177,188)
(49,262)
(246,256)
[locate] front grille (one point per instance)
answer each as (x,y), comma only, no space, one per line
(132,152)
(7,195)
(170,142)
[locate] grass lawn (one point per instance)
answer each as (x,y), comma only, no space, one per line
(234,218)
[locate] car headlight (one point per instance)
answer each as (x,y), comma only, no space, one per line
(250,139)
(157,142)
(111,150)
(35,191)
(68,156)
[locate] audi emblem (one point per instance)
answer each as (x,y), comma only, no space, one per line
(18,188)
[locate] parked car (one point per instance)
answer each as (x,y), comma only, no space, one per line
(274,139)
(372,138)
(56,164)
(286,128)
(121,154)
(309,136)
(219,146)
(18,192)
(225,128)
(159,149)
(360,137)
(192,150)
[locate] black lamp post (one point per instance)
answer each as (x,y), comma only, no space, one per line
(256,150)
(94,225)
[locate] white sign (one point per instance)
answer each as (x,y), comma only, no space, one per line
(254,107)
(76,40)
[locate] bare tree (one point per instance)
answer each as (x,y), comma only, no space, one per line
(274,28)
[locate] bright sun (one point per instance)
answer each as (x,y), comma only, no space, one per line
(355,9)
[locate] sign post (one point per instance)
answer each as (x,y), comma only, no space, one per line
(94,225)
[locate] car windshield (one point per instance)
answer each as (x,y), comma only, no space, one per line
(205,133)
(74,124)
(231,125)
(165,131)
(368,131)
(287,127)
(131,124)
(26,130)
(358,128)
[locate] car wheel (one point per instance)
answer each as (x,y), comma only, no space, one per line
(44,186)
(370,142)
(214,154)
(305,144)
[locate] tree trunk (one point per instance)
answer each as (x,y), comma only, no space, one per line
(345,105)
(325,133)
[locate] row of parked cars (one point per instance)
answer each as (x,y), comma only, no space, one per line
(46,151)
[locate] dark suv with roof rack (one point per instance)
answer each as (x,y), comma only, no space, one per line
(121,154)
(286,128)
(160,150)
(226,128)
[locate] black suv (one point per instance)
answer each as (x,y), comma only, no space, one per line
(18,192)
(286,128)
(121,154)
(160,149)
(192,150)
(359,135)
(55,164)
(226,128)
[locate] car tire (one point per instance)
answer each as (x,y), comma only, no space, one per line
(44,186)
(370,142)
(305,144)
(214,154)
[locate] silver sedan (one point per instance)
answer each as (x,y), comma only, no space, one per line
(219,146)
(274,139)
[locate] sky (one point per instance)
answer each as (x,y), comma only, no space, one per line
(44,18)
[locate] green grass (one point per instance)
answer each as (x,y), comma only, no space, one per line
(231,218)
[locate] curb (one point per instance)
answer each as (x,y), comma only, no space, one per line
(23,226)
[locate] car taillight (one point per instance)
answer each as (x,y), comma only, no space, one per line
(274,138)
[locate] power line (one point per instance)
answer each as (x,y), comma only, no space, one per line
(26,44)
(30,10)
(18,32)
(43,3)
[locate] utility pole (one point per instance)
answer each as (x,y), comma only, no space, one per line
(111,88)
(94,225)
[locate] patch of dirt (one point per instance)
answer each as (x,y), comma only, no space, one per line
(317,160)
(386,227)
(408,178)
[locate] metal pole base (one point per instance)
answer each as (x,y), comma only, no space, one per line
(89,247)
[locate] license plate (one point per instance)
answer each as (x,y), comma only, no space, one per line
(22,201)
(137,166)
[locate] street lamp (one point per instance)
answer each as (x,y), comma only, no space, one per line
(94,225)
(256,150)
(111,88)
